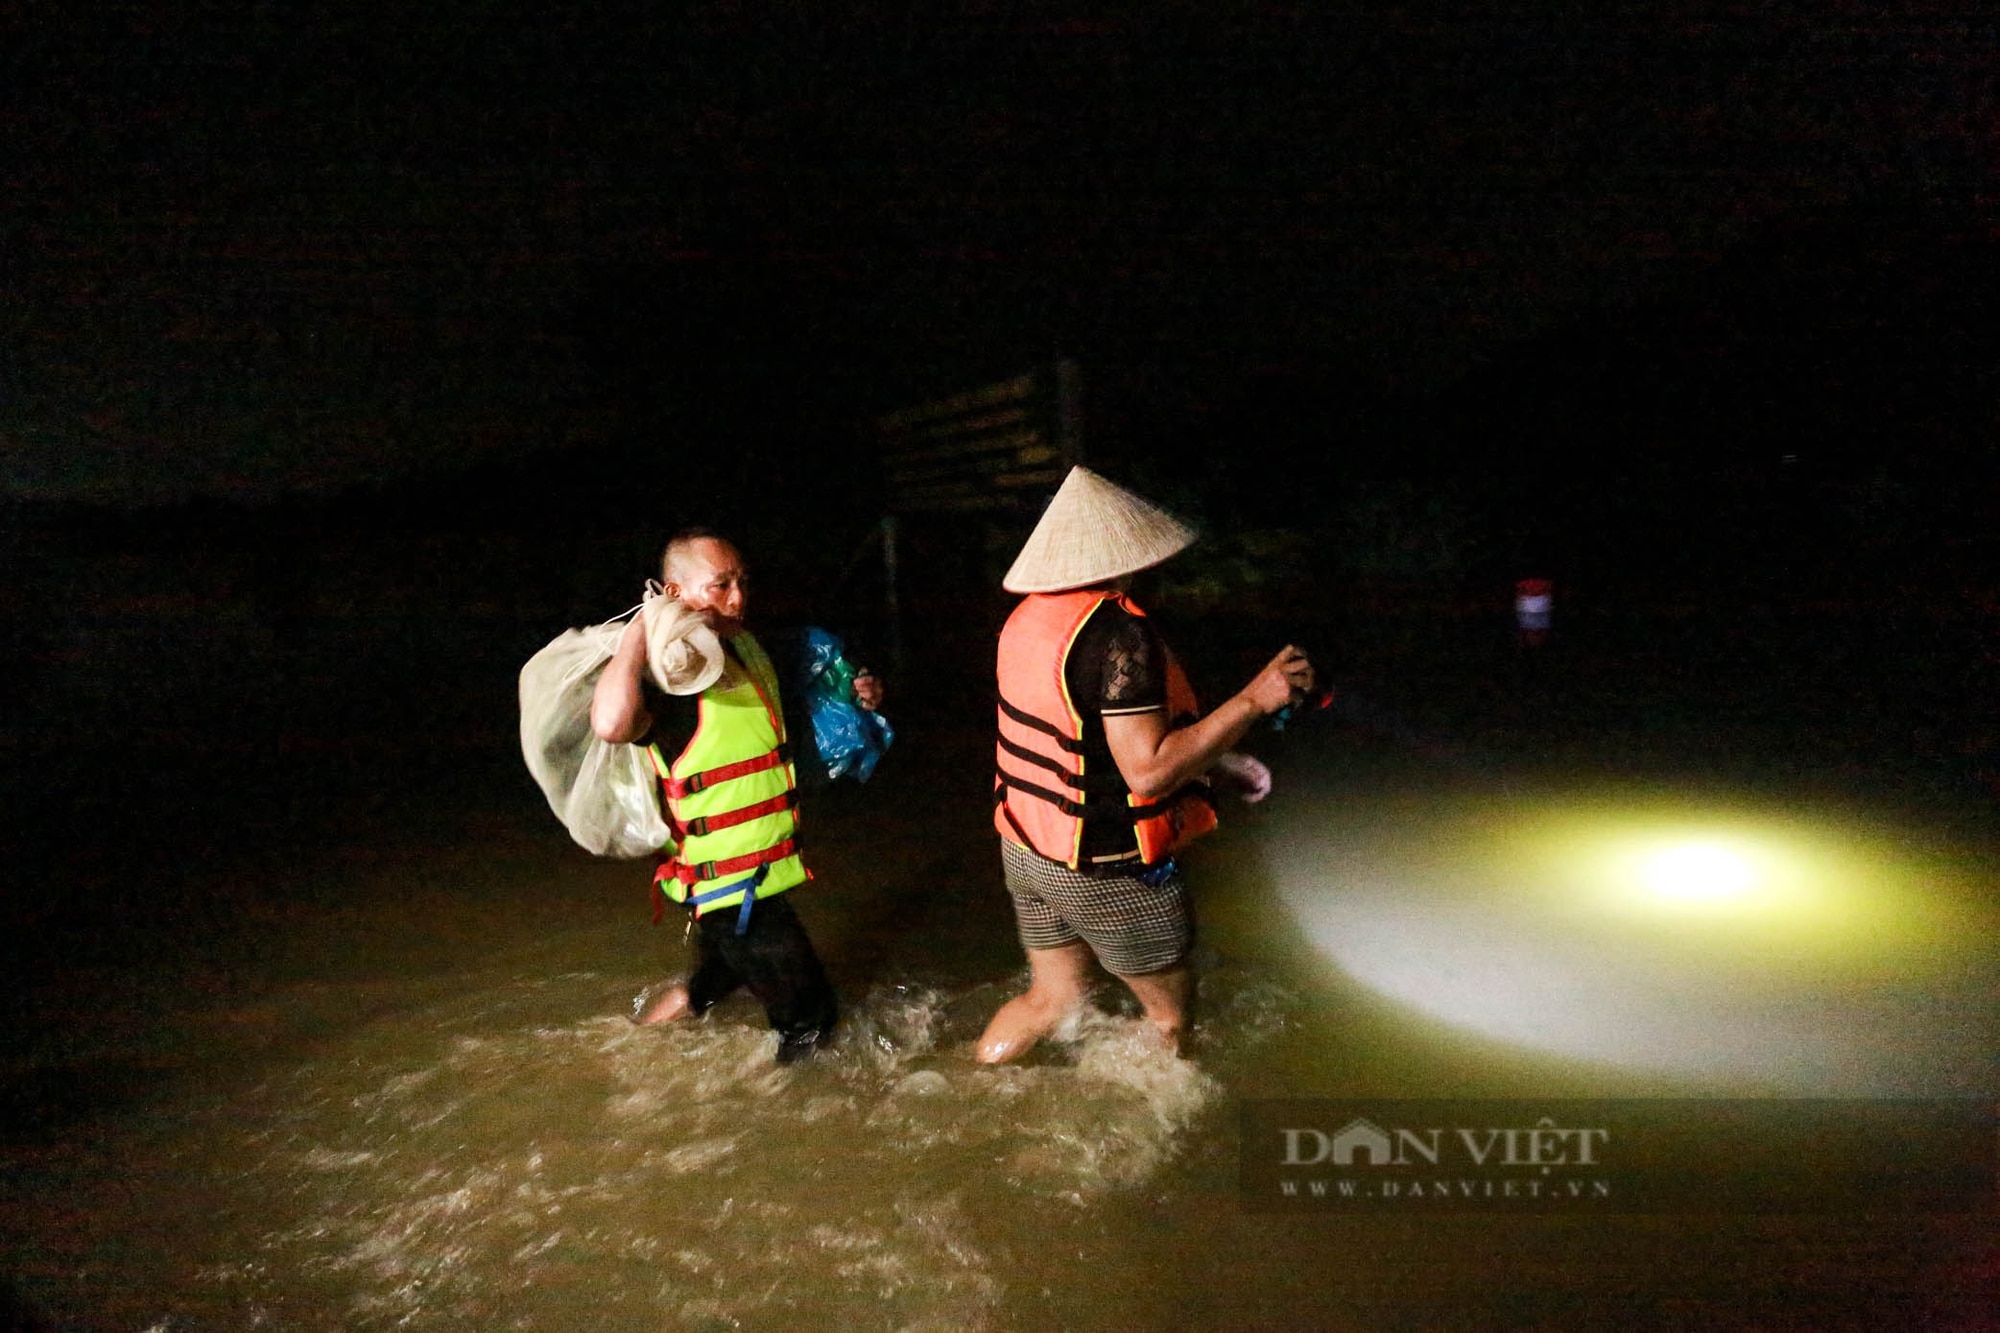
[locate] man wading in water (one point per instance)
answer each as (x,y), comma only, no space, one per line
(730,792)
(1104,764)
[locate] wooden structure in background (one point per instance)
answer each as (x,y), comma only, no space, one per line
(984,461)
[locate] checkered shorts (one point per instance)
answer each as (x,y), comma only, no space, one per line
(1132,927)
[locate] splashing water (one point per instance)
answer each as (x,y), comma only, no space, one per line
(516,1172)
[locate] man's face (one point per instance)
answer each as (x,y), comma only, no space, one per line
(708,577)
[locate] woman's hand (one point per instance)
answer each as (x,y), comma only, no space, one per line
(1249,777)
(1287,679)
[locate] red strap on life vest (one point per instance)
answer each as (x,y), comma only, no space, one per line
(695,874)
(668,868)
(671,868)
(705,824)
(681,788)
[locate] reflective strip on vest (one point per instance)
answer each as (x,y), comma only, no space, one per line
(730,793)
(1043,791)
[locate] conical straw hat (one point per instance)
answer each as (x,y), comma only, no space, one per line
(1094,531)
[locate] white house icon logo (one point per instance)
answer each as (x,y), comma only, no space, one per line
(1366,1138)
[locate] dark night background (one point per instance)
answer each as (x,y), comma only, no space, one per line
(348,353)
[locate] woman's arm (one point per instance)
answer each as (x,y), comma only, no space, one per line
(1157,761)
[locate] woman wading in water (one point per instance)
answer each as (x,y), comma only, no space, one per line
(1105,764)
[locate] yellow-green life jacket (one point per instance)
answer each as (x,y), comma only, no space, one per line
(731,793)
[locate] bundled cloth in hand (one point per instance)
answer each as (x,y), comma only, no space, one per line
(682,653)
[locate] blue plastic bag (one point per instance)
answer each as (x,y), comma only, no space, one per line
(851,739)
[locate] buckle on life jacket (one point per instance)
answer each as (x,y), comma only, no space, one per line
(672,867)
(691,875)
(704,824)
(681,788)
(748,884)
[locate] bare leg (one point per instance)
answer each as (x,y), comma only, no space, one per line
(1058,984)
(663,1005)
(714,977)
(1165,996)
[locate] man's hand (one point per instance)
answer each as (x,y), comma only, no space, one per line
(868,690)
(1287,679)
(1248,777)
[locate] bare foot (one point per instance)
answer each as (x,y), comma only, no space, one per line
(1000,1050)
(1172,1036)
(1021,1022)
(660,1004)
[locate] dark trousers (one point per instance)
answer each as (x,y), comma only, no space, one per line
(775,959)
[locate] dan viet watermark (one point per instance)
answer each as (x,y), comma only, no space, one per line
(1627,1155)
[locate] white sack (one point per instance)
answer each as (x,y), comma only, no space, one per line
(605,794)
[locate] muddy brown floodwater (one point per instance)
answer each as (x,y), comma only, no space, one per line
(402,1093)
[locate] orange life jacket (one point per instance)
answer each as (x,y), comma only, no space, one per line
(1042,794)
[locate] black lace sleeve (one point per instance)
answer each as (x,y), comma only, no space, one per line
(1135,673)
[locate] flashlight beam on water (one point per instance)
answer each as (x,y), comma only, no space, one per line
(1785,953)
